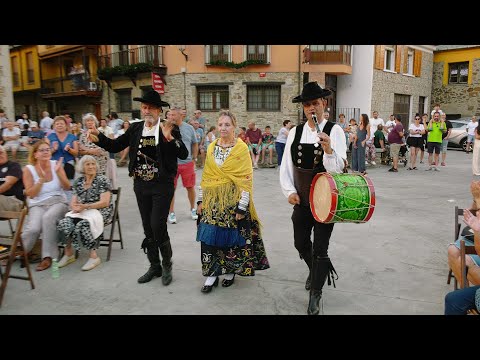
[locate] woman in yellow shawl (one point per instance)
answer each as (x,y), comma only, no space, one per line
(228,227)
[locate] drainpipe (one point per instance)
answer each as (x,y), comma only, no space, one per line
(300,77)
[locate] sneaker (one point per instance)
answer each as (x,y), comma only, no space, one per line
(429,169)
(91,263)
(66,260)
(435,169)
(366,162)
(373,163)
(172,219)
(194,214)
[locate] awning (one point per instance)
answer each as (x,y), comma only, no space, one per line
(62,52)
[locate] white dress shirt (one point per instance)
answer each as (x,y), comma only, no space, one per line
(333,162)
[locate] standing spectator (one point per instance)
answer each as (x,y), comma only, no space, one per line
(445,137)
(254,142)
(228,228)
(370,146)
(68,120)
(64,145)
(471,126)
(436,108)
(424,137)
(344,125)
(268,141)
(326,115)
(35,133)
(3,119)
(395,138)
(46,122)
(358,151)
(186,167)
(24,120)
(435,129)
(389,125)
(124,152)
(11,136)
(415,141)
(209,137)
(11,185)
(203,122)
(282,140)
(199,134)
(476,153)
(115,123)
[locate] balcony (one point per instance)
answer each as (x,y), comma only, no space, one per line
(149,54)
(335,59)
(76,85)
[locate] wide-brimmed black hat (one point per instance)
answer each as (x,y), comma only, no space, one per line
(311,91)
(152,97)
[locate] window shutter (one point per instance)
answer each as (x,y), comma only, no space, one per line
(207,54)
(398,57)
(405,60)
(417,63)
(379,57)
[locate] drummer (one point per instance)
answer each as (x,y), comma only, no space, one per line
(306,154)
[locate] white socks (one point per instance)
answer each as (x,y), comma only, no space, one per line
(210,280)
(229,276)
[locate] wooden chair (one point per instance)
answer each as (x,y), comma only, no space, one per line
(458,225)
(115,221)
(15,249)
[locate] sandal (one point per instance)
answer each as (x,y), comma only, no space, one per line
(414,168)
(409,168)
(45,264)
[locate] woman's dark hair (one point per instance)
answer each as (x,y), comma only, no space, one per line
(365,119)
(285,122)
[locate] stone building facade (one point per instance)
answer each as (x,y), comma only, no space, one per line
(6,93)
(386,84)
(457,100)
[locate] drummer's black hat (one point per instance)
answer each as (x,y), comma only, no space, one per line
(152,97)
(311,91)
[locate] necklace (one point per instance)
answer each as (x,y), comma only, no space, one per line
(227,145)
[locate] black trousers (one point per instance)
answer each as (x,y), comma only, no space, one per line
(303,222)
(153,199)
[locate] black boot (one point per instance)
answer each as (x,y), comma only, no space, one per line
(321,270)
(167,272)
(307,257)
(155,270)
(166,250)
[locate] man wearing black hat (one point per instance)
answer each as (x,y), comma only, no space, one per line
(311,148)
(154,149)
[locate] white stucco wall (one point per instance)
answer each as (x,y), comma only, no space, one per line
(6,94)
(355,91)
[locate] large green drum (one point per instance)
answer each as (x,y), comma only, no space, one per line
(342,198)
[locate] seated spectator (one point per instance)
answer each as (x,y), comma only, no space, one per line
(242,133)
(11,136)
(11,185)
(76,130)
(92,209)
(472,261)
(35,133)
(268,142)
(379,138)
(45,181)
(458,302)
(254,142)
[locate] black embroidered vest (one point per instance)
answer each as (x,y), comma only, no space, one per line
(307,161)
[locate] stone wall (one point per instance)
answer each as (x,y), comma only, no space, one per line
(460,99)
(6,91)
(180,90)
(386,84)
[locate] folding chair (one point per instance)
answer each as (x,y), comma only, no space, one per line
(15,249)
(115,220)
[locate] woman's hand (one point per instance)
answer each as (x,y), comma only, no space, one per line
(59,164)
(472,220)
(199,209)
(239,216)
(167,128)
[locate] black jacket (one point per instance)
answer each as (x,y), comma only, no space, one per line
(167,152)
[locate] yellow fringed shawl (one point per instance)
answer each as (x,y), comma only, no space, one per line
(217,180)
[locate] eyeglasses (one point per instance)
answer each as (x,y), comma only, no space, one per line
(309,103)
(44,150)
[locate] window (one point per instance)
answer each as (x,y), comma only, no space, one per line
(124,98)
(421,104)
(410,62)
(330,54)
(219,52)
(15,71)
(389,59)
(401,106)
(212,98)
(263,97)
(30,70)
(257,52)
(458,73)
